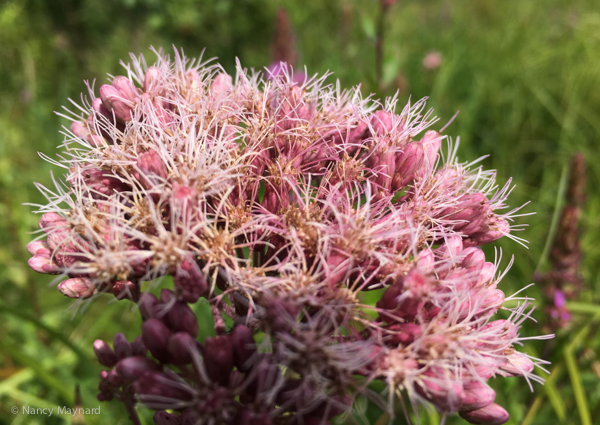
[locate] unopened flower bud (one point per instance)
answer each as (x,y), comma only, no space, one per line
(492,414)
(132,368)
(500,228)
(382,122)
(52,221)
(407,163)
(221,84)
(218,358)
(441,391)
(452,248)
(39,248)
(77,287)
(151,79)
(43,264)
(431,141)
(473,258)
(106,356)
(402,334)
(114,101)
(161,385)
(138,348)
(518,365)
(180,346)
(189,281)
(111,379)
(426,261)
(476,396)
(152,167)
(127,89)
(486,274)
(126,289)
(147,305)
(156,339)
(244,347)
(182,319)
(122,346)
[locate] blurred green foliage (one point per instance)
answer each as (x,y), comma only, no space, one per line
(522,74)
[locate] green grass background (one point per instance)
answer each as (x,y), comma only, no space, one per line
(523,74)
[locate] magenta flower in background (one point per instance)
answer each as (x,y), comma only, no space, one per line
(281,202)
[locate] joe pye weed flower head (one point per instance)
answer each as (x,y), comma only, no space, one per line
(280,202)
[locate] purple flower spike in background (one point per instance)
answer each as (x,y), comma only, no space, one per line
(281,202)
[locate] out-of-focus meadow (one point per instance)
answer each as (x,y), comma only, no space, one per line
(524,76)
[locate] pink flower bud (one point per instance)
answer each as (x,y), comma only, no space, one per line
(114,101)
(122,346)
(355,137)
(152,166)
(485,371)
(492,414)
(152,80)
(490,299)
(499,229)
(221,84)
(431,142)
(499,330)
(452,248)
(487,273)
(132,368)
(181,318)
(106,356)
(193,79)
(127,89)
(52,221)
(442,391)
(402,334)
(156,338)
(77,287)
(473,258)
(518,365)
(43,264)
(81,130)
(338,265)
(39,248)
(407,164)
(476,396)
(180,347)
(244,347)
(218,358)
(383,122)
(426,261)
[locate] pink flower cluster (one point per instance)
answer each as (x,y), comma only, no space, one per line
(281,203)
